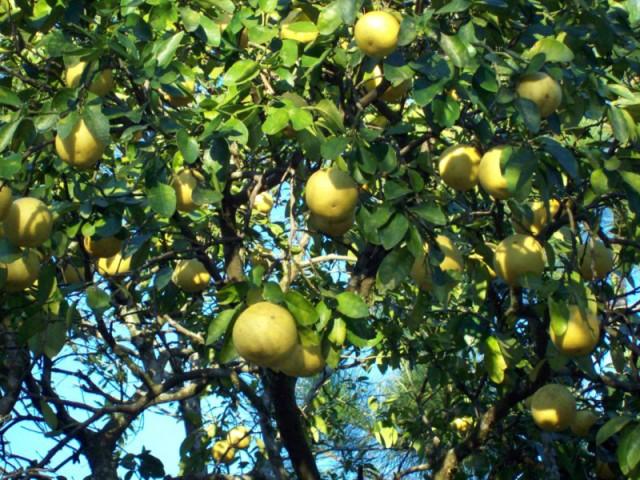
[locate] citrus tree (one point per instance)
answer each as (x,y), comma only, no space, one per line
(336,239)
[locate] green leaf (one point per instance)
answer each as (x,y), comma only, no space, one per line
(190,19)
(219,325)
(394,190)
(632,179)
(454,6)
(394,269)
(301,308)
(276,121)
(46,283)
(563,155)
(612,427)
(188,146)
(518,168)
(10,166)
(6,133)
(166,49)
(272,292)
(559,313)
(530,114)
(300,119)
(619,124)
(49,415)
(241,72)
(628,451)
(211,30)
(7,97)
(206,196)
(334,147)
(97,299)
(395,231)
(333,117)
(455,49)
(97,123)
(67,124)
(494,361)
(352,305)
(55,338)
(553,50)
(431,212)
(162,199)
(330,19)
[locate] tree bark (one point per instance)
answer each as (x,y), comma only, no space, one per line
(288,419)
(102,461)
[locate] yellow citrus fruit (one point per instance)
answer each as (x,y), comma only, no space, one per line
(5,200)
(23,272)
(458,167)
(462,424)
(191,276)
(115,265)
(518,255)
(376,33)
(540,217)
(392,94)
(582,423)
(265,334)
(223,452)
(595,260)
(184,183)
(553,407)
(28,223)
(73,274)
(239,437)
(181,100)
(330,227)
(452,261)
(80,148)
(101,83)
(331,194)
(542,90)
(303,361)
(582,333)
(102,247)
(490,173)
(263,202)
(290,32)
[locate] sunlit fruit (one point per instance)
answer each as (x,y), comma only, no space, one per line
(28,223)
(22,272)
(376,33)
(458,167)
(116,265)
(542,90)
(102,247)
(517,256)
(298,27)
(239,437)
(332,228)
(265,334)
(462,424)
(5,200)
(490,173)
(304,361)
(582,423)
(391,94)
(595,260)
(183,99)
(539,217)
(80,148)
(452,261)
(581,335)
(553,407)
(331,194)
(263,202)
(223,452)
(101,82)
(191,276)
(73,274)
(184,183)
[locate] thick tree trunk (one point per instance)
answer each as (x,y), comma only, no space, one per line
(289,420)
(102,461)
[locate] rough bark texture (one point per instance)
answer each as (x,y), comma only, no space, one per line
(102,461)
(289,420)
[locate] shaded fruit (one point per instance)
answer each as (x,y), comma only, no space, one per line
(376,33)
(184,183)
(391,94)
(458,167)
(540,218)
(102,247)
(331,194)
(101,84)
(80,148)
(28,223)
(265,334)
(297,27)
(332,228)
(263,202)
(223,452)
(517,256)
(304,361)
(553,407)
(239,437)
(582,423)
(452,261)
(22,272)
(490,173)
(5,200)
(191,276)
(582,333)
(115,265)
(595,260)
(542,90)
